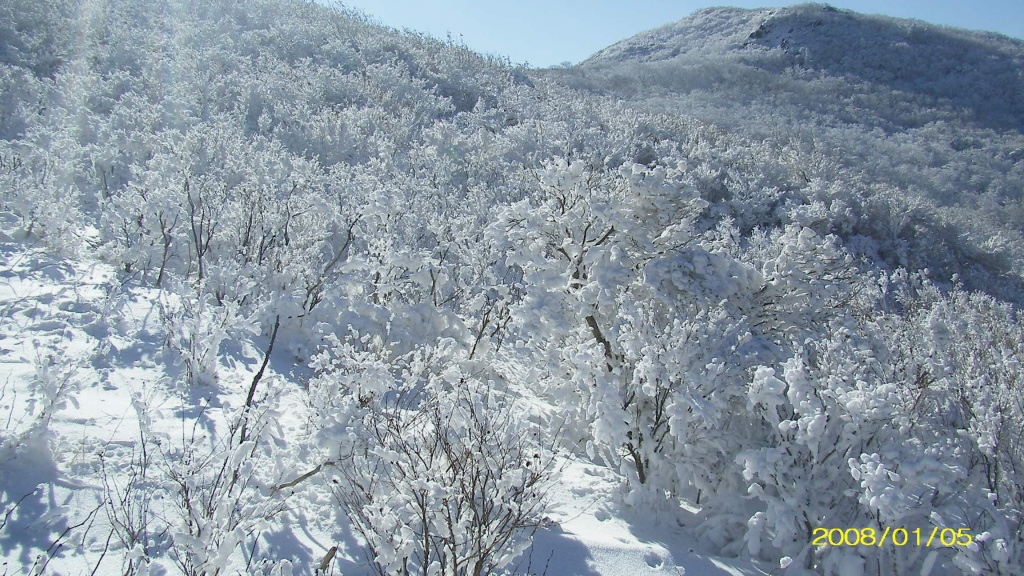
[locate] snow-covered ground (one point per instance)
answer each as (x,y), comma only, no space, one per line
(85,369)
(592,535)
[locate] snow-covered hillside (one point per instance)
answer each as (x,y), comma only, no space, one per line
(975,70)
(883,105)
(288,292)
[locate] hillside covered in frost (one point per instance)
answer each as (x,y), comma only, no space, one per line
(288,292)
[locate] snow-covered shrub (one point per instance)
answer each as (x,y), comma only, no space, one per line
(432,466)
(637,316)
(892,420)
(677,409)
(36,35)
(132,494)
(830,404)
(20,99)
(807,281)
(27,454)
(445,483)
(195,329)
(26,431)
(198,498)
(962,352)
(46,205)
(221,489)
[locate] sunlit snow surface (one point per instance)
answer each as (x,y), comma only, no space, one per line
(591,538)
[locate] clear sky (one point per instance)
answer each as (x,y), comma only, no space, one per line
(548,32)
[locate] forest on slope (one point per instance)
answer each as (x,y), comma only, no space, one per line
(345,280)
(930,114)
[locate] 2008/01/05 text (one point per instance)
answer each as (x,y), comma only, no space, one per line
(894,536)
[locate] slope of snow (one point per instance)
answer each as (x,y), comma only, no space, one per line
(594,536)
(906,55)
(705,32)
(88,354)
(284,292)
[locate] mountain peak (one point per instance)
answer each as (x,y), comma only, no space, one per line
(970,69)
(807,25)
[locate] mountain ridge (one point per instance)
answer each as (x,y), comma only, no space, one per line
(980,71)
(754,23)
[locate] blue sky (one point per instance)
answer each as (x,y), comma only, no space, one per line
(544,33)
